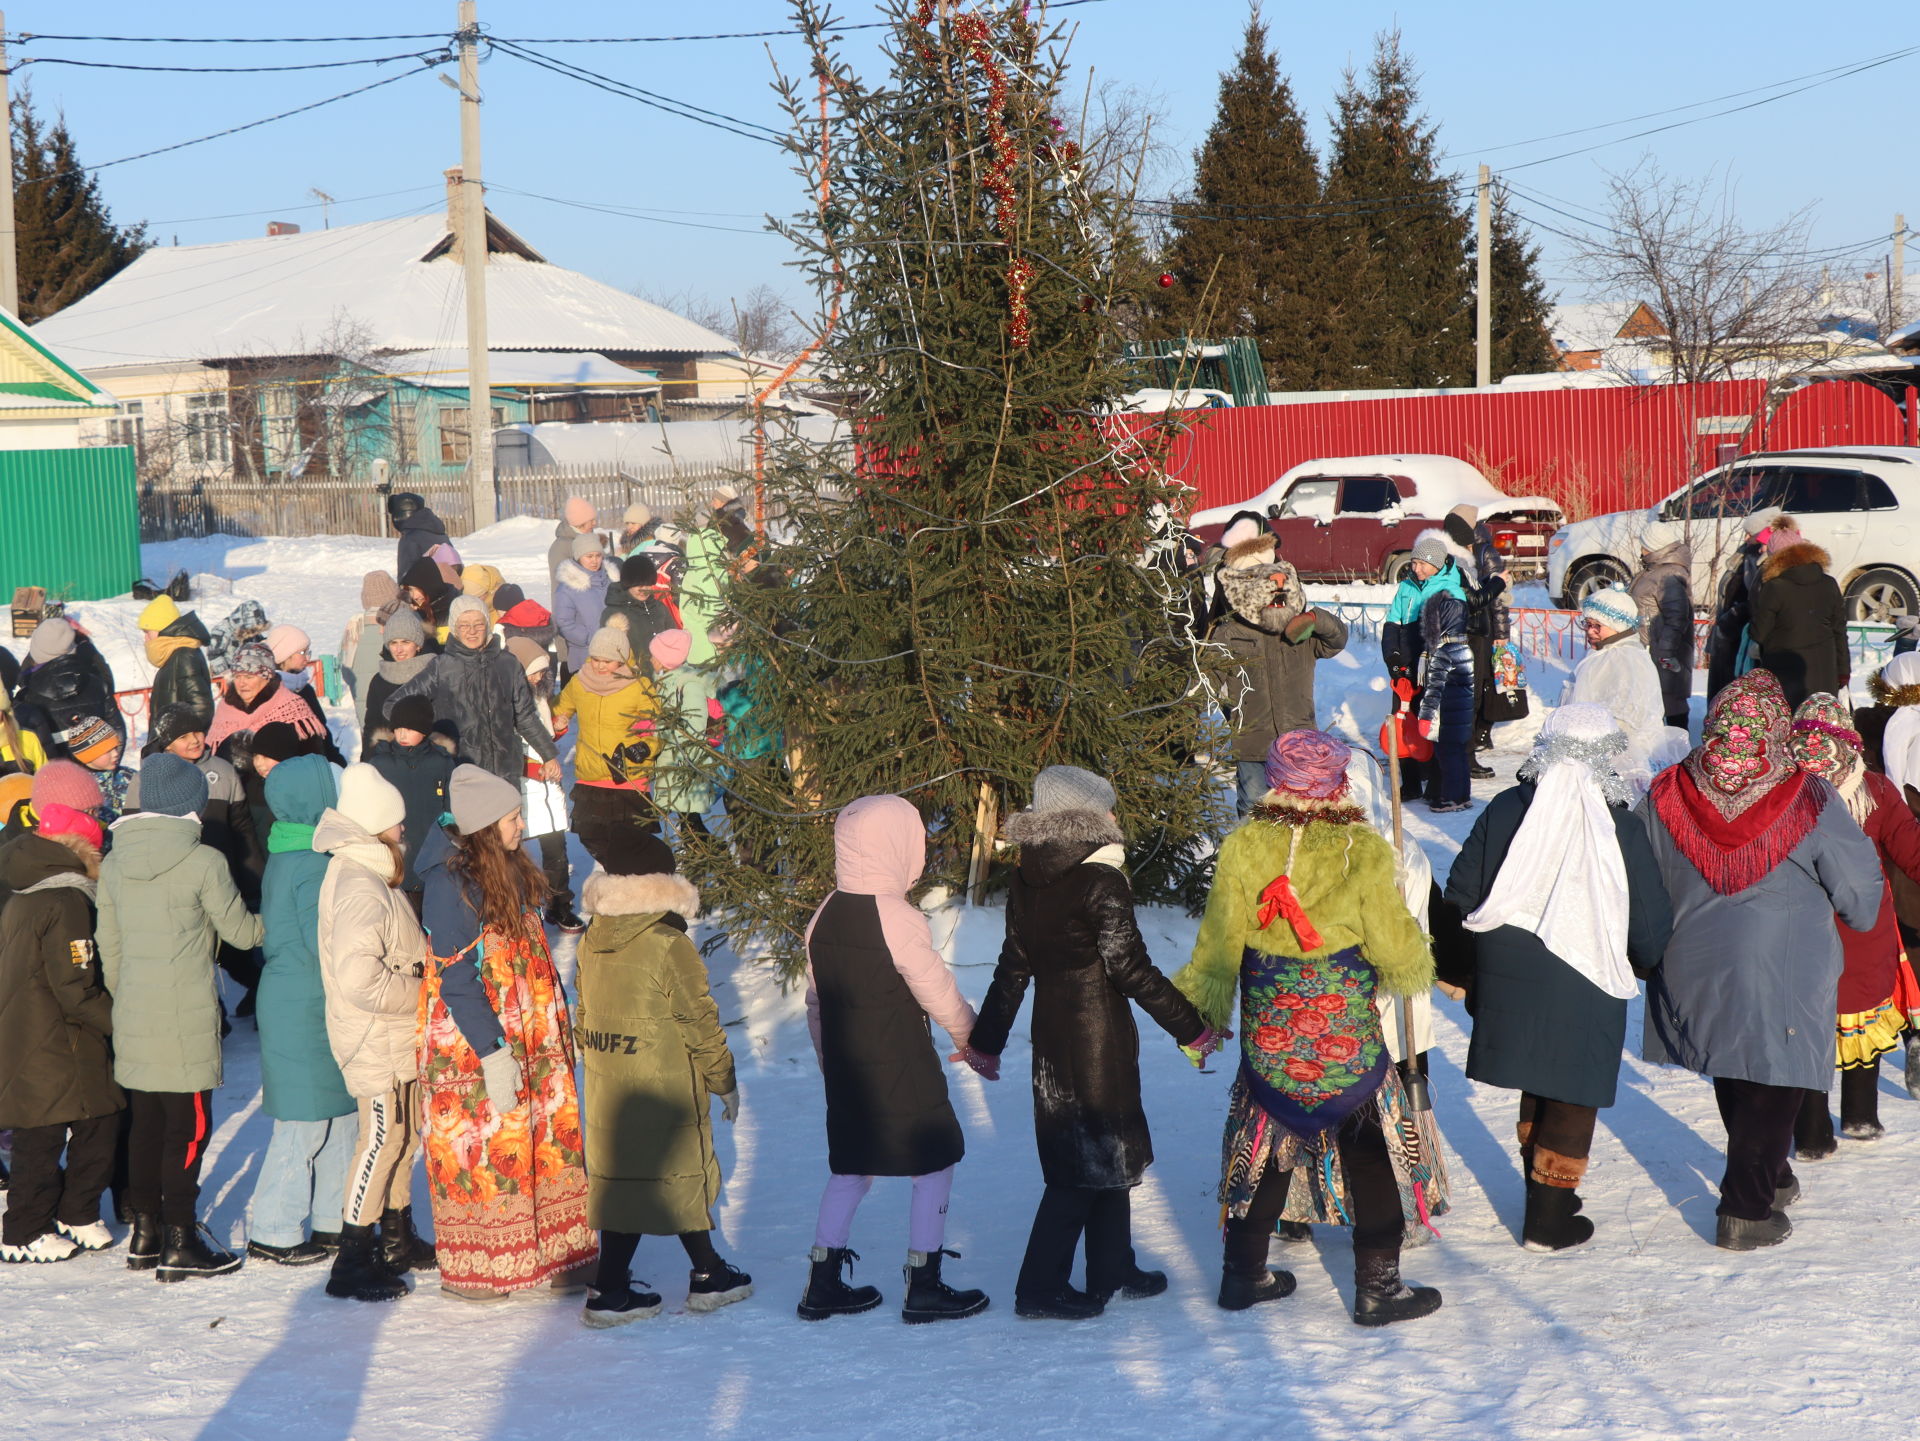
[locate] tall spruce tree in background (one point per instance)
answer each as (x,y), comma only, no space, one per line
(1522,309)
(1398,275)
(1245,251)
(962,601)
(66,241)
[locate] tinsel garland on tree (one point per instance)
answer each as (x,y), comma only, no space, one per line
(957,598)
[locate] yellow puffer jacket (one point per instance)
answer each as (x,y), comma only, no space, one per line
(619,736)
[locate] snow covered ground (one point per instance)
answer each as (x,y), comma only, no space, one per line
(1647,1332)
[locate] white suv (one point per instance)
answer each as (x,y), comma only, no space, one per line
(1860,504)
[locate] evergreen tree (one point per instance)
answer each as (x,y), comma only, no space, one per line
(1522,309)
(1245,253)
(961,600)
(1399,282)
(66,242)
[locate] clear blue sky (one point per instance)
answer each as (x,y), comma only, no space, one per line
(1495,72)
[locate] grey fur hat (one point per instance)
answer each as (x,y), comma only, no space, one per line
(1434,548)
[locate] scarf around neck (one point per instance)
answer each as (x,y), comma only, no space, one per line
(286,836)
(1735,852)
(604,685)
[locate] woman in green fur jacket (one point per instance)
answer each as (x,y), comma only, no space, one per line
(1306,921)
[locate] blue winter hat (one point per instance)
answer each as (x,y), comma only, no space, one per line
(170,786)
(1612,606)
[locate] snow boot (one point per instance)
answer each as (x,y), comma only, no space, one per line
(1737,1233)
(606,1309)
(1550,1223)
(143,1246)
(94,1236)
(47,1246)
(827,1295)
(400,1245)
(1063,1303)
(1862,1130)
(360,1272)
(184,1255)
(1913,1065)
(1381,1298)
(1139,1286)
(1478,771)
(1294,1232)
(1786,1193)
(561,915)
(931,1299)
(1240,1290)
(303,1253)
(328,1241)
(710,1290)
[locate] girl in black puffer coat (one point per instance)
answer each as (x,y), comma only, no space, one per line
(1071,931)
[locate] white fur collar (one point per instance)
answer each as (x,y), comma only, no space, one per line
(1115,856)
(611,895)
(575,576)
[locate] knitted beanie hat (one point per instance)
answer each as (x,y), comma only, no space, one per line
(530,653)
(253,658)
(91,741)
(588,544)
(278,741)
(637,515)
(1431,546)
(580,513)
(1308,763)
(370,800)
(65,783)
(287,641)
(411,713)
(57,820)
(669,649)
(170,786)
(160,613)
(638,570)
(378,590)
(609,643)
(1069,788)
(1782,536)
(404,624)
(51,640)
(507,596)
(1611,606)
(478,798)
(466,605)
(173,722)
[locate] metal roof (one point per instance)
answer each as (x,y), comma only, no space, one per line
(394,283)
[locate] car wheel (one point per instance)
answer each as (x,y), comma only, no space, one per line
(1395,569)
(1591,575)
(1881,597)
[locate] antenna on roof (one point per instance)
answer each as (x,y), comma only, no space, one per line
(326,207)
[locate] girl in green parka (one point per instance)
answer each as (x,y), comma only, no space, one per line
(1306,921)
(650,1034)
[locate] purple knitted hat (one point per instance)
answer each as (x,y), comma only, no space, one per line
(1308,763)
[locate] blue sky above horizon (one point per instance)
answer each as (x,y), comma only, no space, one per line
(1493,73)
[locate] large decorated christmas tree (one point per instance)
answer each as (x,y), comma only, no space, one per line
(962,592)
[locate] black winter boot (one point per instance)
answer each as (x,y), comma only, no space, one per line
(1241,1290)
(606,1309)
(718,1286)
(561,915)
(1139,1286)
(1063,1303)
(1551,1224)
(300,1253)
(400,1245)
(827,1295)
(143,1246)
(931,1299)
(185,1255)
(1380,1297)
(1737,1233)
(360,1273)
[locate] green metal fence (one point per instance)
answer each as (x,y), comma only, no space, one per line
(69,521)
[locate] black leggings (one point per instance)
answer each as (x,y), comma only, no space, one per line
(1371,1186)
(1859,1102)
(616,1256)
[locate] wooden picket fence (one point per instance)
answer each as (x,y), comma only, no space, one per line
(183,508)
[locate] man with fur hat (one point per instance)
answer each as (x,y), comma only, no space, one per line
(1619,675)
(1275,638)
(1424,642)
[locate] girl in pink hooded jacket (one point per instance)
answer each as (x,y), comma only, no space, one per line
(873,981)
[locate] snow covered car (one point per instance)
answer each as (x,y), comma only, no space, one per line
(1357,517)
(1860,504)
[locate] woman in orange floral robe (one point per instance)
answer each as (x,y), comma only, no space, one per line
(509,1181)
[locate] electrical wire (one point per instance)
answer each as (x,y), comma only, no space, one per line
(737,34)
(24,37)
(210,69)
(682,108)
(623,212)
(283,209)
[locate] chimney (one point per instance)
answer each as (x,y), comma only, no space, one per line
(454,205)
(282,227)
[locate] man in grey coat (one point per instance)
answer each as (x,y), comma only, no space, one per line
(1758,858)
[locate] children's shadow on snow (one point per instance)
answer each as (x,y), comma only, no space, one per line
(1676,1158)
(1488,1159)
(313,1381)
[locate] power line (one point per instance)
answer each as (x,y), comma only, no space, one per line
(284,209)
(24,37)
(681,108)
(626,213)
(736,34)
(211,69)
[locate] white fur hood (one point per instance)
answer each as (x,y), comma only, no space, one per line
(610,895)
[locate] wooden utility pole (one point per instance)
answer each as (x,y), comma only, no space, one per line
(473,247)
(9,258)
(1897,275)
(1483,284)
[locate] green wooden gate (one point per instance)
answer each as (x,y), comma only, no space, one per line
(69,521)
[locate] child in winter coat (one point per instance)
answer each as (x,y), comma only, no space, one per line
(1071,932)
(1306,922)
(1425,637)
(56,1073)
(655,1053)
(166,901)
(545,800)
(361,642)
(873,981)
(403,655)
(692,724)
(418,761)
(619,742)
(580,594)
(372,954)
(523,619)
(175,647)
(639,603)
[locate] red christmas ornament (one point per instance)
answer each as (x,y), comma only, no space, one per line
(1166,281)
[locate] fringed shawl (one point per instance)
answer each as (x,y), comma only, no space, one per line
(1734,854)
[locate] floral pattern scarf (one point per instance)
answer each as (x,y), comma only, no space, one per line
(1825,745)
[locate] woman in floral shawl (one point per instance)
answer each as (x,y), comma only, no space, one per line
(1757,857)
(504,1158)
(1877,990)
(1305,921)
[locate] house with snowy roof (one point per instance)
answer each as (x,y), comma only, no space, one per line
(1585,333)
(319,352)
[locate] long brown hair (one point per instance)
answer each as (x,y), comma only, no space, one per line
(506,882)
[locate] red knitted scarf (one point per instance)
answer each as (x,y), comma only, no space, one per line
(1732,855)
